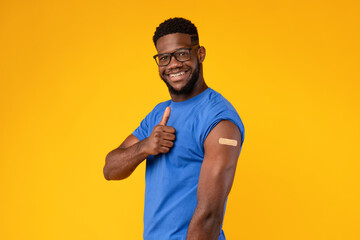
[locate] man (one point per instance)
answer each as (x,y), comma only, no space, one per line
(191,143)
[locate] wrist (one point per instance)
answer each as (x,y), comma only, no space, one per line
(144,147)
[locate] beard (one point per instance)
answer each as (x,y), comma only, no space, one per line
(189,86)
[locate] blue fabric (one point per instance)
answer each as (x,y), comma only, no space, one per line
(172,178)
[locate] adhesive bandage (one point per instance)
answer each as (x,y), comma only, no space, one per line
(226,141)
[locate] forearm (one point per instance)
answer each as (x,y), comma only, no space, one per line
(205,225)
(121,162)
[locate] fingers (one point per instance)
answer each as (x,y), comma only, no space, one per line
(169,136)
(168,129)
(168,144)
(165,117)
(162,138)
(164,149)
(164,129)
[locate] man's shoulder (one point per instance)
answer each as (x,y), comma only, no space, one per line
(219,108)
(217,102)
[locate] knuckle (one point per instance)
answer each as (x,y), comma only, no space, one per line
(157,128)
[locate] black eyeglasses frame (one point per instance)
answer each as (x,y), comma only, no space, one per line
(173,54)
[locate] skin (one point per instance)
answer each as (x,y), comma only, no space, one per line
(219,164)
(170,43)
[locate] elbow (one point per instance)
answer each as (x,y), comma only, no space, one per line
(209,214)
(114,171)
(112,174)
(106,176)
(106,173)
(211,217)
(206,224)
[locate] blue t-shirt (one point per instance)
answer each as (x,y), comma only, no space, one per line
(172,178)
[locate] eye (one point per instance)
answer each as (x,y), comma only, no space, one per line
(183,53)
(163,58)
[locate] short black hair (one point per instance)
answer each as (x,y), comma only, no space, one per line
(176,25)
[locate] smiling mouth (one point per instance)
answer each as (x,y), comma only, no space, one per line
(178,76)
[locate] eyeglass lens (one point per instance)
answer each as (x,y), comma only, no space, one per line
(180,55)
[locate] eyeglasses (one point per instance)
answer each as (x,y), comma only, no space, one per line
(181,55)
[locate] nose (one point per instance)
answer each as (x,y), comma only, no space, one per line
(174,63)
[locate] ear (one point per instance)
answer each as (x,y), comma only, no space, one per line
(201,53)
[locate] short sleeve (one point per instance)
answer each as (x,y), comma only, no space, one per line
(142,131)
(148,123)
(223,115)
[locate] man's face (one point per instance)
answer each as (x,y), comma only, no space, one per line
(180,77)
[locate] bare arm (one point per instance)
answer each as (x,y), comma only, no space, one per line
(215,181)
(122,161)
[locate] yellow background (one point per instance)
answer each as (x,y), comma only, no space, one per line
(77,77)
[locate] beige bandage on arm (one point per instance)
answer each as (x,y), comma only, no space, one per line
(226,141)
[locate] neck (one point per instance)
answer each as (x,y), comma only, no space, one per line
(199,87)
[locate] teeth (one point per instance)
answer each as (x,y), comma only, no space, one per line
(177,74)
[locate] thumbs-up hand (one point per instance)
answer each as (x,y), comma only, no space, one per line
(162,138)
(165,117)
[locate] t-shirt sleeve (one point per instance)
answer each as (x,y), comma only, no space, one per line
(149,122)
(142,131)
(217,116)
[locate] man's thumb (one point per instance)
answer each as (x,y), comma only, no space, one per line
(165,117)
